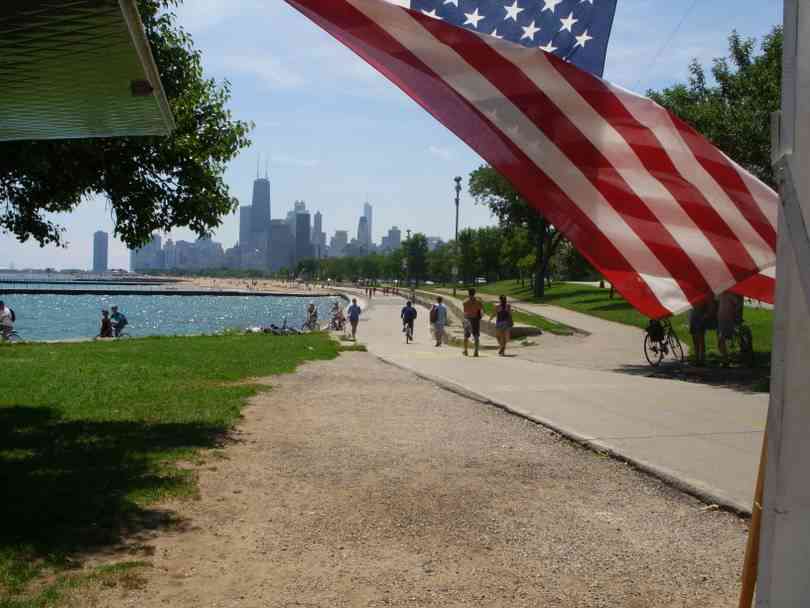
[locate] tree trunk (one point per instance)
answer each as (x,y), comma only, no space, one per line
(541,264)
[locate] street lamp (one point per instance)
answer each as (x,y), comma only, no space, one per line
(455,261)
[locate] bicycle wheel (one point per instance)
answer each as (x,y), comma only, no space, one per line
(653,351)
(675,347)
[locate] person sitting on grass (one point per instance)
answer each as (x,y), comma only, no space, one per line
(106,330)
(119,321)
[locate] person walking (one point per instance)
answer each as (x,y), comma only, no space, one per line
(699,320)
(503,323)
(408,316)
(438,320)
(354,312)
(473,312)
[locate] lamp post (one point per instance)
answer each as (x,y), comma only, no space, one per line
(455,246)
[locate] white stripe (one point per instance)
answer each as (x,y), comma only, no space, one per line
(623,158)
(766,198)
(405,3)
(660,123)
(482,95)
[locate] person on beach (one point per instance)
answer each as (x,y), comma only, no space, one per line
(7,319)
(118,320)
(106,330)
(354,312)
(473,312)
(699,320)
(503,323)
(438,320)
(408,316)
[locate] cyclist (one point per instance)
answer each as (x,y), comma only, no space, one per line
(7,319)
(408,316)
(118,320)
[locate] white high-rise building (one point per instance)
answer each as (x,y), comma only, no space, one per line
(368,213)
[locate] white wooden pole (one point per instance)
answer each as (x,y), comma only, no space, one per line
(784,566)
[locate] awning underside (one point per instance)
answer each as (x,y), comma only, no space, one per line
(77,68)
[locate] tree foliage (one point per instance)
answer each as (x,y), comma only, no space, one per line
(733,109)
(152,183)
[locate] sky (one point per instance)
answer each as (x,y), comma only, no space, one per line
(335,133)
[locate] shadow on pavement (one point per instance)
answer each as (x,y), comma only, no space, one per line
(745,380)
(74,485)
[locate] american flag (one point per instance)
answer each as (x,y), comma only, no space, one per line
(658,210)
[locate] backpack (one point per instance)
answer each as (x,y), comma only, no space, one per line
(434,314)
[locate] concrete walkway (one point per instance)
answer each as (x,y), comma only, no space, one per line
(704,439)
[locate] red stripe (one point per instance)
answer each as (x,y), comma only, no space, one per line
(655,159)
(396,62)
(758,287)
(725,174)
(551,120)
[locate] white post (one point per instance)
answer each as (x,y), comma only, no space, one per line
(785,550)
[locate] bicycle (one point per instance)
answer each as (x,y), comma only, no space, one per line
(742,342)
(661,341)
(408,329)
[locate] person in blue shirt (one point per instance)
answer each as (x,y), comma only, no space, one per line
(354,317)
(408,316)
(118,321)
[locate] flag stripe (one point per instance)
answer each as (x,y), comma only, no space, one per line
(580,151)
(652,153)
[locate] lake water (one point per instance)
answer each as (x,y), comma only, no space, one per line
(66,317)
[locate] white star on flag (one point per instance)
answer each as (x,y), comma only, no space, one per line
(530,31)
(513,11)
(568,23)
(496,35)
(432,14)
(453,2)
(582,39)
(473,18)
(551,5)
(549,48)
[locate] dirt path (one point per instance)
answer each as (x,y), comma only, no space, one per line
(354,484)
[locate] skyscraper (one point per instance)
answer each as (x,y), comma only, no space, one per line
(339,243)
(260,218)
(362,233)
(245,230)
(101,243)
(303,247)
(298,207)
(394,237)
(318,236)
(368,213)
(282,246)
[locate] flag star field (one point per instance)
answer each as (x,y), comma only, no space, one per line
(575,30)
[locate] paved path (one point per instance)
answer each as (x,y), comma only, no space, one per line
(705,438)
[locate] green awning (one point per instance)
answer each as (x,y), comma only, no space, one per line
(77,68)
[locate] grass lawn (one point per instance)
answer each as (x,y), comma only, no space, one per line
(91,435)
(595,301)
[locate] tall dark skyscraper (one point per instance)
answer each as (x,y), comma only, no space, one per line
(245,231)
(303,247)
(282,249)
(260,218)
(101,243)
